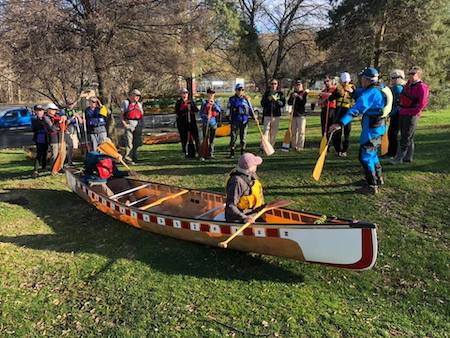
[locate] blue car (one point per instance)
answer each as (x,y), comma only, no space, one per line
(15,117)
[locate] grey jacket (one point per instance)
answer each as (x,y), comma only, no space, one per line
(239,185)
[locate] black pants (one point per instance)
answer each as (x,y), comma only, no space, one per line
(41,156)
(186,130)
(394,127)
(408,125)
(340,146)
(323,118)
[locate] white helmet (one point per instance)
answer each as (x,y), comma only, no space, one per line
(52,106)
(345,77)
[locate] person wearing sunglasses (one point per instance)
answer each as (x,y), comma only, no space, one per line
(327,106)
(397,83)
(96,123)
(239,110)
(272,102)
(413,100)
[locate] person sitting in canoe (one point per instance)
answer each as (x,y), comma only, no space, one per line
(244,190)
(99,168)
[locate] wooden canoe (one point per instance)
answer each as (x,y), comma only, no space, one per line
(159,138)
(197,216)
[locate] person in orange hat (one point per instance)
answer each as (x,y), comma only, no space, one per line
(244,190)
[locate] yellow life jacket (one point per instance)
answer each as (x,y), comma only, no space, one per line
(252,201)
(345,101)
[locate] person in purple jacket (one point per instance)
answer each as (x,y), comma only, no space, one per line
(413,100)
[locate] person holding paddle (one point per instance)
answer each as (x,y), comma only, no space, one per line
(369,105)
(298,125)
(327,107)
(272,102)
(185,110)
(244,190)
(53,122)
(344,100)
(209,113)
(239,109)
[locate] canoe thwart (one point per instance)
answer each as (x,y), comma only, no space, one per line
(129,191)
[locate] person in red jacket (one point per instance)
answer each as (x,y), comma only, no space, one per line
(327,106)
(413,100)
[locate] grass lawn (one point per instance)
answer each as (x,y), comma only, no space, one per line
(68,270)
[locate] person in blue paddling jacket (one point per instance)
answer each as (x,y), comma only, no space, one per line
(209,113)
(244,190)
(96,123)
(369,105)
(240,109)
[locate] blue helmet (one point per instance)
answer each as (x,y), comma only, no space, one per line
(238,86)
(370,73)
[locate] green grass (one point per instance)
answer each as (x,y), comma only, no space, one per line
(68,270)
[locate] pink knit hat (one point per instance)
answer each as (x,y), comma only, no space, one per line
(248,160)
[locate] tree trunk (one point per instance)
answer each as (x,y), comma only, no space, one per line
(379,42)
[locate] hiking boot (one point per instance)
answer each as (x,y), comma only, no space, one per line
(380,180)
(35,174)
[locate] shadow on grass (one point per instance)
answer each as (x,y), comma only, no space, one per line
(81,228)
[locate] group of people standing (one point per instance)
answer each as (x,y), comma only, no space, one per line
(85,129)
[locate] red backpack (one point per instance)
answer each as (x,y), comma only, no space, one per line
(134,111)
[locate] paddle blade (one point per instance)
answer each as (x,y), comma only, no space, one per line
(109,149)
(204,149)
(266,146)
(317,172)
(287,141)
(224,130)
(384,144)
(323,144)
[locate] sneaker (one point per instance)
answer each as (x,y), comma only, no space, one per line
(344,154)
(380,180)
(35,174)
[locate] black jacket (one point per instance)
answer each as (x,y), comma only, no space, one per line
(300,103)
(273,107)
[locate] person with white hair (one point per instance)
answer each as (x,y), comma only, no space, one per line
(413,100)
(397,82)
(344,101)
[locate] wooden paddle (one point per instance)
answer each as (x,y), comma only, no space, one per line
(60,159)
(203,152)
(287,135)
(270,206)
(157,202)
(267,147)
(108,148)
(323,141)
(321,161)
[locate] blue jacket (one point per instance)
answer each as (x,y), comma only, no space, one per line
(204,113)
(240,109)
(93,118)
(369,105)
(396,91)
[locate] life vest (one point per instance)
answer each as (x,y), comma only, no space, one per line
(346,100)
(94,119)
(252,201)
(388,100)
(324,94)
(134,111)
(55,122)
(105,168)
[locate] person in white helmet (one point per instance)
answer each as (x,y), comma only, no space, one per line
(53,122)
(344,101)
